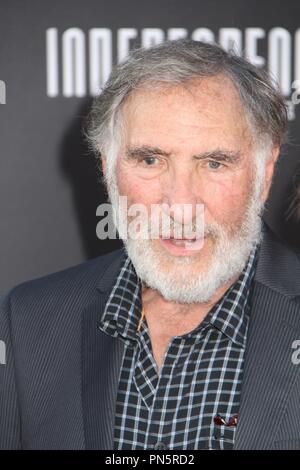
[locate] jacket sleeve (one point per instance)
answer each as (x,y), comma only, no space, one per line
(10,429)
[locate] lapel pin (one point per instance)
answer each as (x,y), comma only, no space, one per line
(232,422)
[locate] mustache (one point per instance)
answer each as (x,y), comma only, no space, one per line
(167,227)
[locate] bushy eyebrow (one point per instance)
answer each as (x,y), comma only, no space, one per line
(220,155)
(145,151)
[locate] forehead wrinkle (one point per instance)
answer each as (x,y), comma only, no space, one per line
(133,109)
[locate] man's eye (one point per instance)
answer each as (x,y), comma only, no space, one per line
(213,165)
(150,161)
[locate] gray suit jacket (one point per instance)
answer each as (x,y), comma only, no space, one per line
(59,383)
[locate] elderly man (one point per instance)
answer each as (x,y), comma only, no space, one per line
(178,342)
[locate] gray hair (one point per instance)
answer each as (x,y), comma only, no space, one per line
(177,62)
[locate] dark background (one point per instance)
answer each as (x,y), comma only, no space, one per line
(49,186)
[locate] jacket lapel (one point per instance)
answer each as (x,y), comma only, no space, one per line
(269,372)
(101,363)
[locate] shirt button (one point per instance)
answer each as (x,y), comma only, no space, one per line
(160,446)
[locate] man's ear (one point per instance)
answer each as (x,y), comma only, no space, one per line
(269,171)
(103,164)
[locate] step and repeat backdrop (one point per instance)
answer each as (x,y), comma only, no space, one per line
(54,57)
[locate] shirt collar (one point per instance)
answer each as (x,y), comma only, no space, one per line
(123,307)
(230,315)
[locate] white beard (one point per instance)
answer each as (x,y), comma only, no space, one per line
(176,278)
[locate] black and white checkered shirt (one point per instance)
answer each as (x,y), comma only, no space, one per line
(200,377)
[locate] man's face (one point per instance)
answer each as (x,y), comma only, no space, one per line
(188,145)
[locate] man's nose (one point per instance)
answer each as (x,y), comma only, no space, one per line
(180,195)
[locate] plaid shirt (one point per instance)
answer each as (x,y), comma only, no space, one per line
(201,375)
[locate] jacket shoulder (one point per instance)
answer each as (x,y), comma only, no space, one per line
(278,265)
(73,282)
